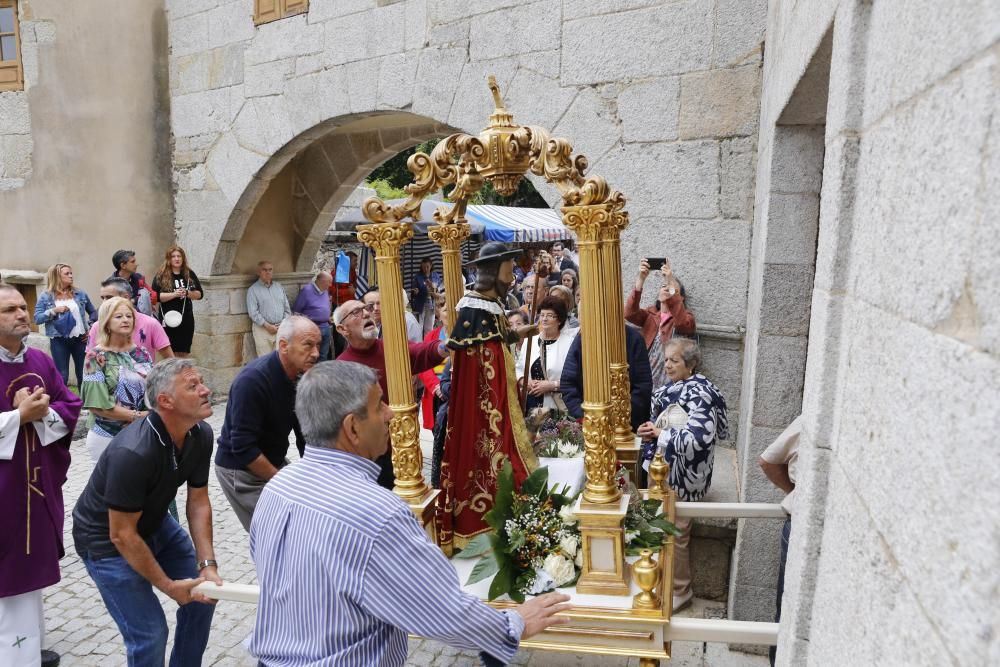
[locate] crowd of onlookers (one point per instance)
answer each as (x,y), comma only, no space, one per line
(113,346)
(125,522)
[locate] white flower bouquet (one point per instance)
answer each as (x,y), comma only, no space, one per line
(535,543)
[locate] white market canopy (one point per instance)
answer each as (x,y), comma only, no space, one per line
(510,224)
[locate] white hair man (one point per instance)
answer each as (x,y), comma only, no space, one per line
(267,306)
(327,522)
(261,413)
(354,321)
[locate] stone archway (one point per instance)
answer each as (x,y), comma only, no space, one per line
(283,214)
(303,185)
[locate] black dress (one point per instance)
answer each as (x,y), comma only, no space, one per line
(180,336)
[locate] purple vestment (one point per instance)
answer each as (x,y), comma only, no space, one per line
(31,524)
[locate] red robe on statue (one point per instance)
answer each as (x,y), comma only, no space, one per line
(485,424)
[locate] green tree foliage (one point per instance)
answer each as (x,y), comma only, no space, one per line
(385,190)
(389,179)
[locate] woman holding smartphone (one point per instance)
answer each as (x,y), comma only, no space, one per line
(661,320)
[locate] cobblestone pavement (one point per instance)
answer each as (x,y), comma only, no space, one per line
(80,629)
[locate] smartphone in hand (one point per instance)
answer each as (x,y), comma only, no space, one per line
(656,263)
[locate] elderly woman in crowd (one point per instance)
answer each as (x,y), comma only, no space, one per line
(67,313)
(689,418)
(114,376)
(515,320)
(660,321)
(176,286)
(548,354)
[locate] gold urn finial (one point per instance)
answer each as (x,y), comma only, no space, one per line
(646,573)
(506,157)
(659,471)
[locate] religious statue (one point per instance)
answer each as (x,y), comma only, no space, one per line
(485,426)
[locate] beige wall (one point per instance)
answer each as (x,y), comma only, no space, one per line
(99,121)
(267,234)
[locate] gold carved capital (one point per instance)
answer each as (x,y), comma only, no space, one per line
(588,222)
(384,237)
(449,235)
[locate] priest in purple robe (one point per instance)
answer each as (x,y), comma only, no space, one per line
(37,417)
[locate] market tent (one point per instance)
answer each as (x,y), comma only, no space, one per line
(513,224)
(510,224)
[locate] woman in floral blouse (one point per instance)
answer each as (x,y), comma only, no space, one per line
(690,418)
(114,376)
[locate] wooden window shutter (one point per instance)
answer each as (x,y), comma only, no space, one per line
(293,7)
(266,10)
(11,72)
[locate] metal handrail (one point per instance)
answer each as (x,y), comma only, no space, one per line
(730,511)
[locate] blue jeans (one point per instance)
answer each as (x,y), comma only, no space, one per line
(324,343)
(136,610)
(786,533)
(64,348)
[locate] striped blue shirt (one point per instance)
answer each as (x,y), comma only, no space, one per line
(345,572)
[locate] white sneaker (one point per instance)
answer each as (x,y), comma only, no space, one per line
(682,601)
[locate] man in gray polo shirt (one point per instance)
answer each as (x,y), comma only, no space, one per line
(267,306)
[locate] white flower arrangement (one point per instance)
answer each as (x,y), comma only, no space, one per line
(560,569)
(567,515)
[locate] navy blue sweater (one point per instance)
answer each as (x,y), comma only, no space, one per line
(639,375)
(259,416)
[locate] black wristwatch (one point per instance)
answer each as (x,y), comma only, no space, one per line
(208,562)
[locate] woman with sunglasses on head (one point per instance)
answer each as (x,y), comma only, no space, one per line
(67,313)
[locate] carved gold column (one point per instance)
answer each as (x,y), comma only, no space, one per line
(601,509)
(449,237)
(621,389)
(385,238)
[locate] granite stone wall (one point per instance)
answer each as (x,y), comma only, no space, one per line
(894,546)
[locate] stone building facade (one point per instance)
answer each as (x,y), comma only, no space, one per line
(292,115)
(885,115)
(85,142)
(832,195)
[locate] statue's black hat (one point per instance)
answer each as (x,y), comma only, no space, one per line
(494,252)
